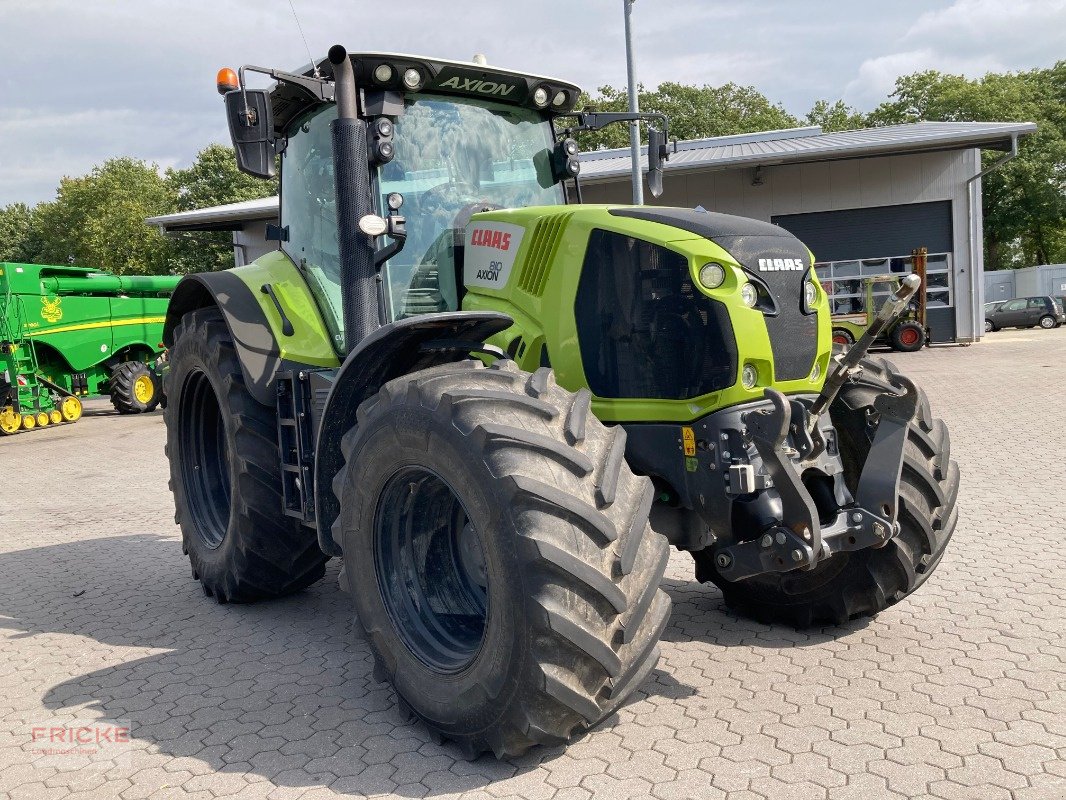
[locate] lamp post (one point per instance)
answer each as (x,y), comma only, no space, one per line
(634,106)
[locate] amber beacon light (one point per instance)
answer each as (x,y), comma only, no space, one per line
(226,81)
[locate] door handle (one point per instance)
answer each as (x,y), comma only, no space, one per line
(286,326)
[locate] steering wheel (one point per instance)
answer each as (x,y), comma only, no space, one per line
(446,196)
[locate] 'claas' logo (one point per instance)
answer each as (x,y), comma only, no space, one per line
(486,237)
(50,309)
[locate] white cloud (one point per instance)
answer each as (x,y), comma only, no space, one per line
(84,81)
(969,37)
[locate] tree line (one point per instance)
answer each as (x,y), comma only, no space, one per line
(1024,201)
(98,219)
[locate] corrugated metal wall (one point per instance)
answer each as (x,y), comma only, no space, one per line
(1045,279)
(1000,285)
(838,185)
(1029,282)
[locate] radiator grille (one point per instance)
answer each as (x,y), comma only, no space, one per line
(542,248)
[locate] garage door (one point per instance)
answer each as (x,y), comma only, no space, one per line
(857,242)
(881,232)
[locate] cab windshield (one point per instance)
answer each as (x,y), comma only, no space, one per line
(455,157)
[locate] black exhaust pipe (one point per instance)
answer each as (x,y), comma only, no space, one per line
(351,171)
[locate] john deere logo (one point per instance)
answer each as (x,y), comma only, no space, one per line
(50,310)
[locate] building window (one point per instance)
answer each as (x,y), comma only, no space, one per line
(842,280)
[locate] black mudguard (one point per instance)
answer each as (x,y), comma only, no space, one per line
(257,348)
(393,350)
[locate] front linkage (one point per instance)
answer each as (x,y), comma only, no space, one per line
(789,441)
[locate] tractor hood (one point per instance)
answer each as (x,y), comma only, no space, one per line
(773,259)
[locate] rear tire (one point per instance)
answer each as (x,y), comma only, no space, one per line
(1048,322)
(463,459)
(907,337)
(133,388)
(863,582)
(225,473)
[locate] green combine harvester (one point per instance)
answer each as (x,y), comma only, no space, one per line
(501,410)
(69,332)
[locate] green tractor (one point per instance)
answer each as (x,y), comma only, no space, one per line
(500,409)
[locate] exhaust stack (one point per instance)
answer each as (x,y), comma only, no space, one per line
(359,300)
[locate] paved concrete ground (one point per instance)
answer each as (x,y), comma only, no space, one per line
(959,692)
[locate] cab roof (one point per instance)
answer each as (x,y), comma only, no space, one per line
(439,76)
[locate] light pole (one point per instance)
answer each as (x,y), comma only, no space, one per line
(634,107)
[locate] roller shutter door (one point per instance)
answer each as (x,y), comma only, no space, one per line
(872,232)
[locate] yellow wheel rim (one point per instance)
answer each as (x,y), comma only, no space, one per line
(144,389)
(54,416)
(10,422)
(70,408)
(29,422)
(42,418)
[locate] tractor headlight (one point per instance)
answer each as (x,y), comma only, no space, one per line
(712,275)
(749,376)
(560,99)
(749,294)
(383,73)
(540,97)
(810,293)
(412,78)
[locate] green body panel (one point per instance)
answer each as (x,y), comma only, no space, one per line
(546,315)
(310,342)
(70,325)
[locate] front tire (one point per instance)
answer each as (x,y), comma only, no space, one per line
(499,555)
(225,473)
(862,583)
(990,326)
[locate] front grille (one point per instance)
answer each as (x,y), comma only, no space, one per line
(644,329)
(793,334)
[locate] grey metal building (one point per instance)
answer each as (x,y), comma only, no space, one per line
(1028,282)
(861,200)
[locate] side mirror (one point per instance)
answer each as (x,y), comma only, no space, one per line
(657,154)
(251,127)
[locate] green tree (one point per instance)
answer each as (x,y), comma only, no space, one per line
(213,179)
(16,233)
(98,220)
(1025,200)
(695,112)
(836,116)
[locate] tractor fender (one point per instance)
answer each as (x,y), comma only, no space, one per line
(257,348)
(395,349)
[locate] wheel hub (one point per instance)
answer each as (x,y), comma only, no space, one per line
(204,459)
(431,569)
(143,389)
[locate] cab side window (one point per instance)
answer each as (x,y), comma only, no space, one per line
(308,211)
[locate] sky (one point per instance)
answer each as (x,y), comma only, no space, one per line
(86,80)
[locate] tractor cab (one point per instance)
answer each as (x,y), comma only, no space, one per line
(445,140)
